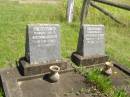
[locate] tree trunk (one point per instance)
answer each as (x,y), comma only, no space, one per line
(118,5)
(70,10)
(105,12)
(84,10)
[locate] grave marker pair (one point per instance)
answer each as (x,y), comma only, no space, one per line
(43,47)
(42,50)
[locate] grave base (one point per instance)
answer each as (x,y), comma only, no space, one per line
(16,85)
(80,60)
(27,69)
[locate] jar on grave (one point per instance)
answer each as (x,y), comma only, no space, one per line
(108,68)
(54,73)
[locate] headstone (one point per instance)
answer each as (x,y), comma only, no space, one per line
(42,49)
(91,44)
(43,43)
(70,10)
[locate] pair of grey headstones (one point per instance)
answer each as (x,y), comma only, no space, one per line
(43,42)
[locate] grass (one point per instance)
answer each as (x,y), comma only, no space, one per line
(2,93)
(103,83)
(120,93)
(14,17)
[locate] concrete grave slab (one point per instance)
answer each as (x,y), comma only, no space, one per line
(70,84)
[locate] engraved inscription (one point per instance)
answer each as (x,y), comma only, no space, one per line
(91,41)
(94,35)
(94,28)
(44,35)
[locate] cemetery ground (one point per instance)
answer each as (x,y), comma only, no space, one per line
(14,17)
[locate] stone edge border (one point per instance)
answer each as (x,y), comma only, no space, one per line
(122,68)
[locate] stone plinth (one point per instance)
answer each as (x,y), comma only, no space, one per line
(80,60)
(27,69)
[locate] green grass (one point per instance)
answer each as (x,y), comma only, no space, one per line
(102,82)
(14,17)
(2,93)
(120,93)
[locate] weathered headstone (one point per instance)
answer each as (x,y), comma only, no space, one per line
(42,48)
(93,41)
(91,45)
(44,43)
(70,10)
